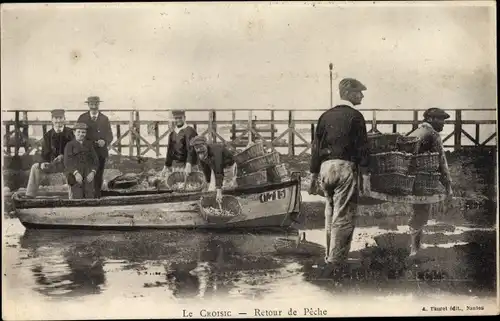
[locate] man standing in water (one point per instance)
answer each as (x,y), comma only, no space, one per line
(179,151)
(430,141)
(213,157)
(99,132)
(339,148)
(54,142)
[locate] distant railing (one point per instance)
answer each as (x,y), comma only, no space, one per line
(241,132)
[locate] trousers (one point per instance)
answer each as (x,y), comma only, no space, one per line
(99,177)
(339,180)
(81,191)
(37,174)
(418,219)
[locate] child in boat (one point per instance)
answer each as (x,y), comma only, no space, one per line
(81,163)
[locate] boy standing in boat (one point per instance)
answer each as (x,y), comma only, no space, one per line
(179,151)
(339,153)
(430,141)
(100,134)
(54,142)
(81,162)
(214,158)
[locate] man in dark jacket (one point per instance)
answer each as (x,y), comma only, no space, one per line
(53,144)
(213,158)
(81,162)
(100,134)
(339,153)
(179,151)
(430,141)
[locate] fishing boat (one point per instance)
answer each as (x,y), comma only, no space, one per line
(271,205)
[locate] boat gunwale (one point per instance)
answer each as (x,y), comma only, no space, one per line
(131,200)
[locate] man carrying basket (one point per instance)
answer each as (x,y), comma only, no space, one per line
(430,141)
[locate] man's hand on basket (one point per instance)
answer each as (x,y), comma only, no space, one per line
(166,170)
(313,185)
(218,196)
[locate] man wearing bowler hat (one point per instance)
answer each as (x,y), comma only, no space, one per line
(430,141)
(81,163)
(339,153)
(99,132)
(53,144)
(179,151)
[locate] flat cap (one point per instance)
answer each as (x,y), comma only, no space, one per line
(57,113)
(351,84)
(178,112)
(436,112)
(93,99)
(80,126)
(198,140)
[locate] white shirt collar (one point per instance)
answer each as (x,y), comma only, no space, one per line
(178,129)
(92,115)
(345,102)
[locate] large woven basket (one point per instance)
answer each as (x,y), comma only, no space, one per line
(252,179)
(253,151)
(426,184)
(196,181)
(259,163)
(380,143)
(408,144)
(392,183)
(390,162)
(278,173)
(209,208)
(426,162)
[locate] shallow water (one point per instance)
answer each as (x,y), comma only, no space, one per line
(179,268)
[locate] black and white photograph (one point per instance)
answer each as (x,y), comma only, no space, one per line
(180,160)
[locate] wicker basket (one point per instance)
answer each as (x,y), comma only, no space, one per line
(427,162)
(426,184)
(392,183)
(195,178)
(278,173)
(229,203)
(390,162)
(262,162)
(408,144)
(255,150)
(380,143)
(252,179)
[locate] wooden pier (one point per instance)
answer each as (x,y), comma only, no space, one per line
(235,132)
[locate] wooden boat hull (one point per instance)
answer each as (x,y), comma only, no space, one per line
(268,206)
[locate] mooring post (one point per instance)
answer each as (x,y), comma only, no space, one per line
(138,133)
(458,130)
(17,136)
(250,126)
(291,135)
(157,138)
(214,126)
(131,135)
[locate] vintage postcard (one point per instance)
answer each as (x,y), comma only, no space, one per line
(249,160)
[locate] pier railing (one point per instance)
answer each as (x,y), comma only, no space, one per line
(149,135)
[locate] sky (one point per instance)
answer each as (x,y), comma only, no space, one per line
(246,55)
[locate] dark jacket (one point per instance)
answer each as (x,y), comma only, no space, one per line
(340,134)
(219,157)
(178,146)
(98,129)
(53,143)
(80,157)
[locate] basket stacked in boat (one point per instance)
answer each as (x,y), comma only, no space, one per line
(219,213)
(257,167)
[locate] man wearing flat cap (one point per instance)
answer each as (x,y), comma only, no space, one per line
(179,152)
(53,144)
(430,141)
(339,153)
(214,158)
(82,163)
(99,132)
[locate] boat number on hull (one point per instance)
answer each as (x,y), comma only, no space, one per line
(272,196)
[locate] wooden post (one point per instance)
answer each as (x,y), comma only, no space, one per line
(394,128)
(25,131)
(118,135)
(273,127)
(312,133)
(195,126)
(458,129)
(157,137)
(8,133)
(214,126)
(374,121)
(138,133)
(478,142)
(210,126)
(291,136)
(17,136)
(131,135)
(250,125)
(233,125)
(415,120)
